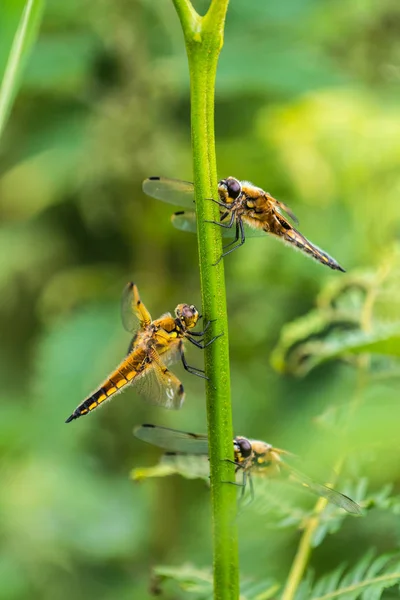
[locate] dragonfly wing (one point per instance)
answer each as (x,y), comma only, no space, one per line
(186,221)
(133,311)
(172,440)
(158,385)
(283,230)
(283,208)
(172,354)
(331,495)
(132,344)
(190,466)
(172,191)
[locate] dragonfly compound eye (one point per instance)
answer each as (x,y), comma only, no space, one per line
(244,446)
(234,187)
(187,311)
(187,314)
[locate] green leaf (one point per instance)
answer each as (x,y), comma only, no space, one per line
(19,50)
(311,339)
(336,342)
(349,321)
(188,577)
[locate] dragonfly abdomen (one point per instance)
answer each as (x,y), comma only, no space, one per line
(294,237)
(124,374)
(291,236)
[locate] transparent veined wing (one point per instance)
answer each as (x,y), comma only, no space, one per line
(190,466)
(172,191)
(186,221)
(172,353)
(283,208)
(133,312)
(331,495)
(172,440)
(159,386)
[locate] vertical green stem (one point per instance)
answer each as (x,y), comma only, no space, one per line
(204,39)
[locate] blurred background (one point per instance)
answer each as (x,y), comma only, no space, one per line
(307,108)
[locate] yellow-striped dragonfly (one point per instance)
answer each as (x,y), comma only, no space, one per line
(251,457)
(154,346)
(241,204)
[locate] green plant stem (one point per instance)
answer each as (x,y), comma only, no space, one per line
(204,39)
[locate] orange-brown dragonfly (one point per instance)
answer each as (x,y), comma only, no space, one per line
(251,457)
(241,204)
(154,346)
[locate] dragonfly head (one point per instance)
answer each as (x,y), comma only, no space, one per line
(187,315)
(242,448)
(229,189)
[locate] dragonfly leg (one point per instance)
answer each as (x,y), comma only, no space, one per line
(224,225)
(242,241)
(244,482)
(251,489)
(243,504)
(200,344)
(201,333)
(238,466)
(236,483)
(223,204)
(242,485)
(236,239)
(233,462)
(188,368)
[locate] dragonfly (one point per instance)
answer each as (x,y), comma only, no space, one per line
(154,346)
(251,457)
(245,211)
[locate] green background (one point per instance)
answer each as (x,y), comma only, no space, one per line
(307,107)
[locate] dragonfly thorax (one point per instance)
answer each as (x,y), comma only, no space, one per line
(265,457)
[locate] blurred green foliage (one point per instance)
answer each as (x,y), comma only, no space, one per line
(20,22)
(307,107)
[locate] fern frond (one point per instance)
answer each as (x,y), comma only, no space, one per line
(366,580)
(200,582)
(186,465)
(334,330)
